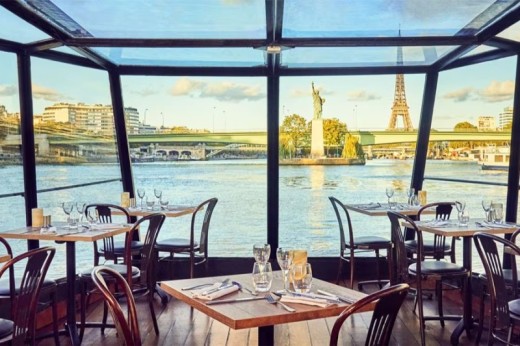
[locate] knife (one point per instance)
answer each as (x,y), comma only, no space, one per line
(247,299)
(223,284)
(343,299)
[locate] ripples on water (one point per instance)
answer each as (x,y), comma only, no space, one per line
(307,219)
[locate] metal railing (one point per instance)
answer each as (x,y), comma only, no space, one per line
(479,182)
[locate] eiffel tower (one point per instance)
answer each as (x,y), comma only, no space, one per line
(400,107)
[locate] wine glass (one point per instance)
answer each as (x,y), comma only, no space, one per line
(141,193)
(410,192)
(67,209)
(498,213)
(92,217)
(164,203)
(389,193)
(80,207)
(284,258)
(261,252)
(158,194)
(486,205)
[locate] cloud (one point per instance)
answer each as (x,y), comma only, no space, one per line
(460,95)
(223,91)
(40,92)
(8,90)
(498,91)
(145,92)
(362,95)
(308,92)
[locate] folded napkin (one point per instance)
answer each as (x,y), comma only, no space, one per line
(100,226)
(498,225)
(220,293)
(306,301)
(437,223)
(369,206)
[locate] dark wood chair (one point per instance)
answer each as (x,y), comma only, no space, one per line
(111,250)
(387,301)
(20,330)
(141,278)
(352,245)
(435,248)
(504,304)
(127,328)
(196,251)
(417,271)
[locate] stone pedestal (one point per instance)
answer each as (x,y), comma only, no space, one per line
(317,150)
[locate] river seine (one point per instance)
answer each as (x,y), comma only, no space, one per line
(307,219)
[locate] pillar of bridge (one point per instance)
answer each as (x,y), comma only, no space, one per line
(317,150)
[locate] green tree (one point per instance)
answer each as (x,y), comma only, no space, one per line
(352,149)
(334,132)
(293,131)
(508,126)
(465,126)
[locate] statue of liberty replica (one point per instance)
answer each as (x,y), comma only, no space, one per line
(317,150)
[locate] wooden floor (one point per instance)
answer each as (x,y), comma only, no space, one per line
(181,325)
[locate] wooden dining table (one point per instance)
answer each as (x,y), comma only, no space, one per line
(259,313)
(381,209)
(169,211)
(70,237)
(454,229)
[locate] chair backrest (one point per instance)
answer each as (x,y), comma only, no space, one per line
(24,300)
(337,205)
(499,296)
(208,205)
(128,329)
(442,212)
(398,237)
(388,302)
(148,255)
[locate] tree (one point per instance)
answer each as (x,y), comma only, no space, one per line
(352,148)
(334,132)
(465,126)
(293,132)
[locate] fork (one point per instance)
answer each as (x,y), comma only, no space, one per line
(272,300)
(253,293)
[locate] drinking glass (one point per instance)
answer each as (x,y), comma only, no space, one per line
(284,258)
(486,205)
(141,193)
(301,277)
(67,209)
(389,193)
(410,193)
(164,203)
(80,207)
(92,217)
(498,212)
(464,218)
(149,202)
(158,194)
(262,276)
(261,252)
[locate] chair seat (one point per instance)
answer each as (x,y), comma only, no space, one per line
(6,328)
(120,268)
(119,246)
(174,243)
(428,245)
(374,241)
(514,307)
(5,290)
(437,267)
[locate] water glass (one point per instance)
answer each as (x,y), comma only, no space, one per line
(149,202)
(497,211)
(284,258)
(410,193)
(464,218)
(158,194)
(92,217)
(301,277)
(262,276)
(141,193)
(261,252)
(389,193)
(164,203)
(486,205)
(67,209)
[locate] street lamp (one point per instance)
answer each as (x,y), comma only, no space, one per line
(144,119)
(214,110)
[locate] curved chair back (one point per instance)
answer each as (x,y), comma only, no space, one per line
(24,301)
(127,329)
(209,205)
(337,204)
(388,302)
(497,287)
(442,212)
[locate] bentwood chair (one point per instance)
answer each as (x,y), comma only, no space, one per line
(127,328)
(504,304)
(352,245)
(436,247)
(20,330)
(387,301)
(417,271)
(197,251)
(141,278)
(111,250)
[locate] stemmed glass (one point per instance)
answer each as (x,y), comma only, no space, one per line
(389,193)
(158,194)
(410,193)
(261,252)
(486,205)
(80,207)
(460,209)
(67,209)
(284,258)
(141,193)
(92,217)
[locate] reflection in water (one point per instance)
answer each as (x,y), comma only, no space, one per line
(317,176)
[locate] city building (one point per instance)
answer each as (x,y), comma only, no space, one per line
(505,118)
(486,123)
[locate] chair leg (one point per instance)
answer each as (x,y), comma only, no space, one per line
(378,270)
(481,317)
(438,292)
(421,314)
(55,320)
(152,311)
(105,317)
(340,267)
(83,308)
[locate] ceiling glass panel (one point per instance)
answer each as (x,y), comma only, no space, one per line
(217,19)
(13,28)
(383,18)
(512,33)
(204,57)
(361,56)
(478,50)
(67,50)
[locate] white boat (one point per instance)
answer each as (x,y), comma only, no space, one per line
(495,158)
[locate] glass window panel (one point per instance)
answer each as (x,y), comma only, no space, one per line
(202,57)
(75,142)
(478,50)
(16,29)
(201,138)
(364,105)
(512,33)
(384,18)
(67,50)
(361,56)
(161,19)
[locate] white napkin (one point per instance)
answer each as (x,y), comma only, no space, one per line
(214,295)
(498,225)
(106,226)
(438,223)
(307,301)
(370,206)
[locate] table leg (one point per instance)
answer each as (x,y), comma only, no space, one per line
(266,336)
(467,320)
(71,292)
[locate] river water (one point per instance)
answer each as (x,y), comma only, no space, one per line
(307,219)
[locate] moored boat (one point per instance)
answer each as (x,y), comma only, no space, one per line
(495,158)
